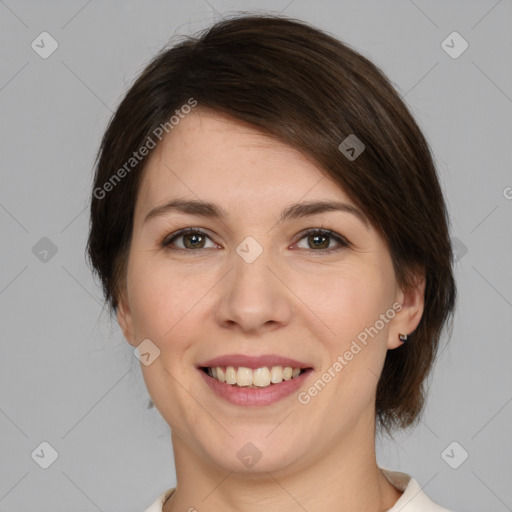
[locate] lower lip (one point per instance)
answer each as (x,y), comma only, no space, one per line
(255,396)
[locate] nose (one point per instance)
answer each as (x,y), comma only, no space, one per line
(254,297)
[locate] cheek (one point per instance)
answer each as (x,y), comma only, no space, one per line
(350,299)
(165,305)
(353,303)
(165,301)
(349,302)
(361,317)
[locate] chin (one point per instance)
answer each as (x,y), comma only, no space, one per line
(253,451)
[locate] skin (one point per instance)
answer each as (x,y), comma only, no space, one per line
(309,305)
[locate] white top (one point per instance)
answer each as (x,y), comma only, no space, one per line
(413,498)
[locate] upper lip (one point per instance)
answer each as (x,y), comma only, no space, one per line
(253,362)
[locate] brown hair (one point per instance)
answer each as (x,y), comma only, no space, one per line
(310,91)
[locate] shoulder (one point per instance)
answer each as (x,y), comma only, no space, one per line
(413,499)
(157,505)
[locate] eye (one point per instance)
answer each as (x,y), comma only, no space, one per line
(192,239)
(319,240)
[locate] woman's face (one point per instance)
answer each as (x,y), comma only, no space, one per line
(253,283)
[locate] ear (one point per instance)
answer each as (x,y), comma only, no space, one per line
(407,319)
(124,318)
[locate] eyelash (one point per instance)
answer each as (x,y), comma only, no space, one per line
(343,243)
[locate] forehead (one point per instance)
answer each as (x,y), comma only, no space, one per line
(213,157)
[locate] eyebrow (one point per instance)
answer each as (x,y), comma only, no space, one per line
(295,211)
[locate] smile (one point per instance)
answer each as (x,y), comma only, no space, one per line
(246,377)
(254,381)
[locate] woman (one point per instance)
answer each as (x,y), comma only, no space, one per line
(269,229)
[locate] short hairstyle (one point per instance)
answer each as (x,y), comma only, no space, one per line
(309,90)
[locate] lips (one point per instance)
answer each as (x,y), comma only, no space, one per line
(253,362)
(227,376)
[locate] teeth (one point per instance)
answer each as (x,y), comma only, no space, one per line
(276,374)
(260,377)
(230,375)
(244,376)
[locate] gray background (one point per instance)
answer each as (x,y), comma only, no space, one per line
(68,377)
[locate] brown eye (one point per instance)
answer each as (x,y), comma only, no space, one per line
(192,239)
(319,240)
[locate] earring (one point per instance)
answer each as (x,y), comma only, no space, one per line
(403,337)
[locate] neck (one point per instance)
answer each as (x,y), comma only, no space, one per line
(344,477)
